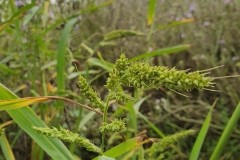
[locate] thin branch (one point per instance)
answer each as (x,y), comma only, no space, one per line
(74,102)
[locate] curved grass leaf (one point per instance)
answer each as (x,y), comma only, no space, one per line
(175,24)
(120,34)
(163,51)
(6,70)
(61,54)
(20,102)
(26,118)
(201,136)
(226,133)
(101,63)
(30,15)
(6,148)
(151,11)
(131,144)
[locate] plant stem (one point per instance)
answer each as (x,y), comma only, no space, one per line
(105,120)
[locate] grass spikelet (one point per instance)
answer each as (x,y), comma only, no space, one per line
(115,126)
(89,93)
(142,75)
(68,136)
(155,152)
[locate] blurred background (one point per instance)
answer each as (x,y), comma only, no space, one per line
(33,38)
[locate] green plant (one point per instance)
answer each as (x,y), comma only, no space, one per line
(125,73)
(41,40)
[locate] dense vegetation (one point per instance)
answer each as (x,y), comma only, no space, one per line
(119,73)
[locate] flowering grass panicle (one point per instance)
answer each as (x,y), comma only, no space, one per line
(156,150)
(142,75)
(90,94)
(68,136)
(115,126)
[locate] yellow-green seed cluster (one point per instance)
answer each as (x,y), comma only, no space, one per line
(156,150)
(90,94)
(142,75)
(68,136)
(114,126)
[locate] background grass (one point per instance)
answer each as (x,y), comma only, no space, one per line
(31,40)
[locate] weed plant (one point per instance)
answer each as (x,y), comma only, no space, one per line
(45,46)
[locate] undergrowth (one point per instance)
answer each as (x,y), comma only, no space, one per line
(138,108)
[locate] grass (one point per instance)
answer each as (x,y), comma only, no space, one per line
(45,46)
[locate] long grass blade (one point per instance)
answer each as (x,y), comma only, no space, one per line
(22,102)
(19,103)
(131,144)
(61,54)
(30,15)
(26,118)
(226,133)
(161,52)
(116,34)
(151,11)
(6,148)
(101,63)
(201,136)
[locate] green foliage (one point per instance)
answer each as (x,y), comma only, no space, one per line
(26,118)
(45,45)
(232,123)
(201,136)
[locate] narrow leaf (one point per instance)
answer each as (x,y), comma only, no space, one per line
(105,158)
(30,15)
(6,148)
(61,54)
(6,70)
(120,34)
(226,134)
(101,63)
(151,11)
(20,102)
(26,118)
(175,23)
(163,51)
(201,136)
(122,148)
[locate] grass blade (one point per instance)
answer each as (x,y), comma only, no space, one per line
(151,11)
(26,118)
(163,51)
(175,23)
(201,136)
(20,102)
(122,148)
(6,70)
(16,16)
(6,148)
(226,133)
(101,63)
(61,54)
(116,34)
(30,15)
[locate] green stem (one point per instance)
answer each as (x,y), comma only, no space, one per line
(105,120)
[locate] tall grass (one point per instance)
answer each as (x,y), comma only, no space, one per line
(45,46)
